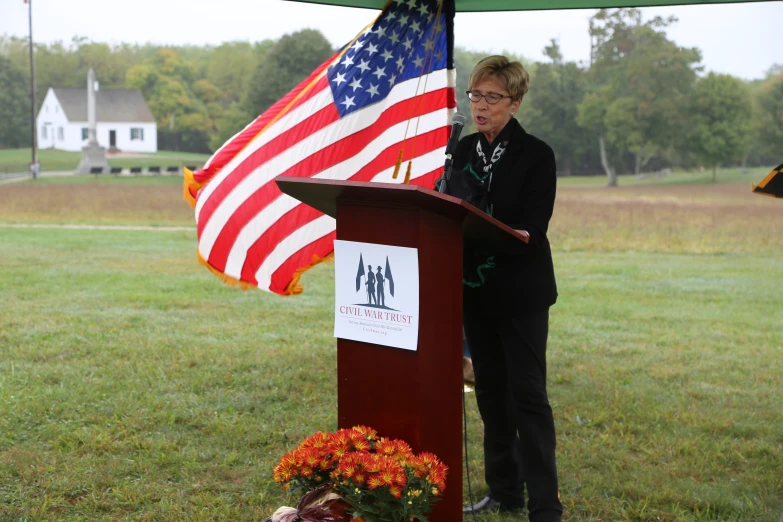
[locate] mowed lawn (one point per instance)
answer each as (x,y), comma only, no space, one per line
(136,386)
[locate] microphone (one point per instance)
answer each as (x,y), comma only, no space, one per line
(458,121)
(457,124)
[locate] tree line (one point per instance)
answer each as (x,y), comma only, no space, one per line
(642,103)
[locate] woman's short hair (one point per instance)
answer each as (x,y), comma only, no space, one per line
(512,76)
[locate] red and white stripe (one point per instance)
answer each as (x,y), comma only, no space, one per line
(250,231)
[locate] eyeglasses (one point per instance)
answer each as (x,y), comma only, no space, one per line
(491,97)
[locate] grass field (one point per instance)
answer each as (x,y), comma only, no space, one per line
(108,200)
(135,386)
(12,160)
(678,177)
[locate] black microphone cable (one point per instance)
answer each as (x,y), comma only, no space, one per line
(465,433)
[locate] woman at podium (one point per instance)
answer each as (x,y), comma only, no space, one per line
(511,175)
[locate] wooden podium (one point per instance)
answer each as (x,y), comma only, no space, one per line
(412,395)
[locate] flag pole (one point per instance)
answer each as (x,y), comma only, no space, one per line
(33,125)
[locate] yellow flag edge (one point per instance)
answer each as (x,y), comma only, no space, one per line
(188,183)
(227,279)
(294,287)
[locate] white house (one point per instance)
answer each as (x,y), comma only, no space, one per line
(123,120)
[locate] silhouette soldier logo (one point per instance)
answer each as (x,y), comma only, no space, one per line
(375,283)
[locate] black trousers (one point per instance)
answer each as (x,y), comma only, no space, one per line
(509,361)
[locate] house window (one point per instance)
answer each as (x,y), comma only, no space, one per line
(44,133)
(60,134)
(137,133)
(47,108)
(84,133)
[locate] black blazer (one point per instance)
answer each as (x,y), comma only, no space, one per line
(522,195)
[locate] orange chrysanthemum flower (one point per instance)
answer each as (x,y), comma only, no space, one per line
(428,459)
(318,439)
(415,464)
(348,465)
(311,457)
(386,477)
(402,448)
(385,446)
(371,462)
(360,444)
(437,479)
(284,471)
(356,461)
(370,433)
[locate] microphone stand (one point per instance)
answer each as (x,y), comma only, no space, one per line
(446,174)
(458,122)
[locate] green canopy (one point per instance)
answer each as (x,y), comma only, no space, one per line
(530,5)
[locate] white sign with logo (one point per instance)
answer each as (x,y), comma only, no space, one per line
(376,294)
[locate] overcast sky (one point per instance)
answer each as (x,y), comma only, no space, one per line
(742,39)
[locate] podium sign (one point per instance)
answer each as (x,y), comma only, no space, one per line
(376,294)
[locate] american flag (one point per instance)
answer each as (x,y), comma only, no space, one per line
(383,101)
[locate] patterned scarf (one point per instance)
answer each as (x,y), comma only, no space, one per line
(476,264)
(487,166)
(483,163)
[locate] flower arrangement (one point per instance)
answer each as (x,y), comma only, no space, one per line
(354,474)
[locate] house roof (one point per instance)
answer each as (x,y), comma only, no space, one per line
(111,105)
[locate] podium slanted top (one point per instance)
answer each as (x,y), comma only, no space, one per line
(480,231)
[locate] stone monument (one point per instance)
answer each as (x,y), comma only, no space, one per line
(93,155)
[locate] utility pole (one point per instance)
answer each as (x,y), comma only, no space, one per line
(34,167)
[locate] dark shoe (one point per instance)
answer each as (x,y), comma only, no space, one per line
(489,504)
(546,516)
